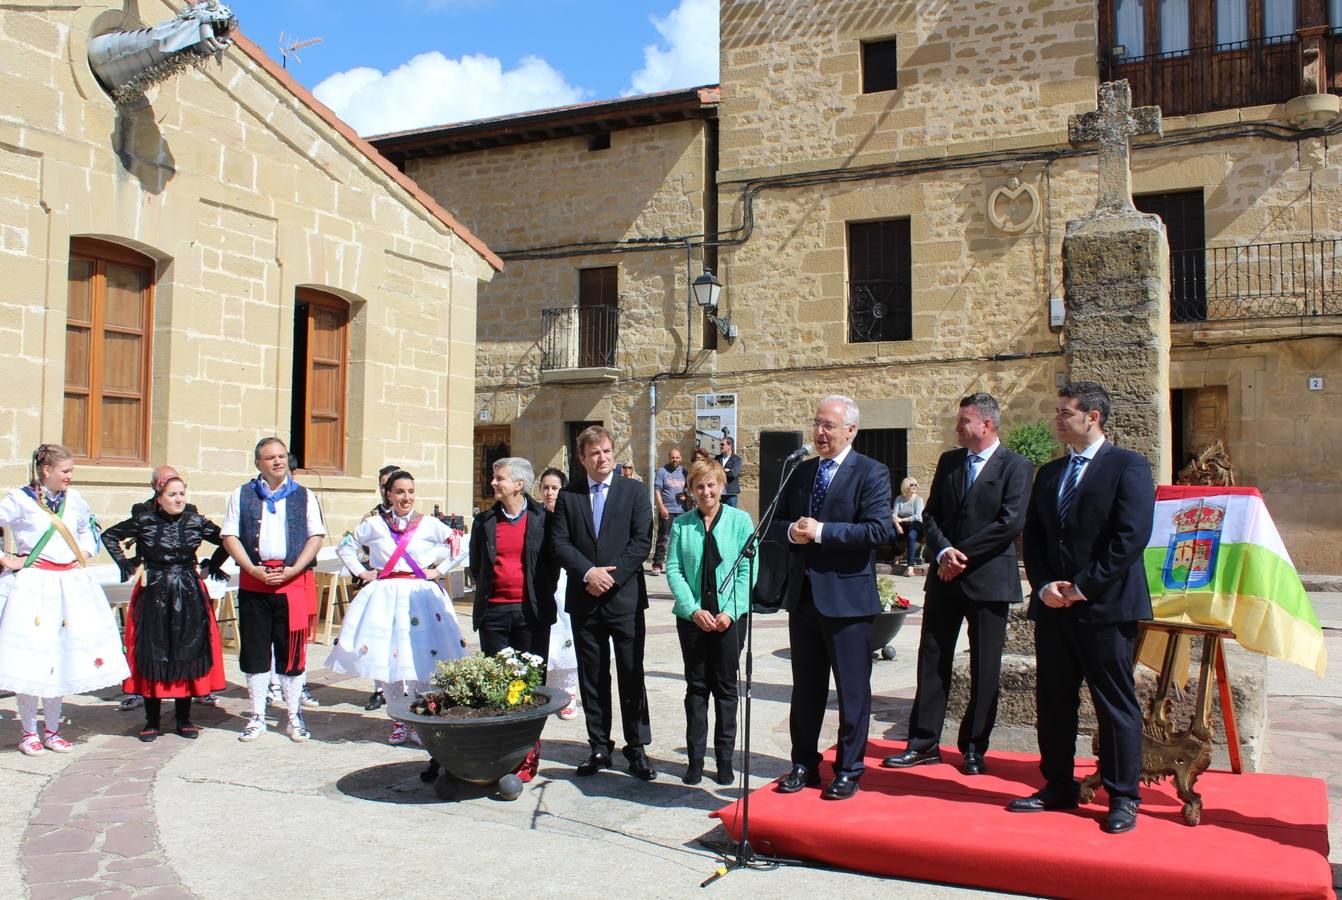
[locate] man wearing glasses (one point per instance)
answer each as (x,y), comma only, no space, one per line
(974,512)
(833,515)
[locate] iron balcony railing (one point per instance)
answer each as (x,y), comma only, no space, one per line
(579,337)
(1220,76)
(1256,281)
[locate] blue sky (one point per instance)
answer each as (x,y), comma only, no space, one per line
(401,64)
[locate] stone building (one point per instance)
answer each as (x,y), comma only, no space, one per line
(889,185)
(221,260)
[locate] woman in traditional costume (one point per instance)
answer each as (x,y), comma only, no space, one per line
(401,622)
(171,639)
(57,632)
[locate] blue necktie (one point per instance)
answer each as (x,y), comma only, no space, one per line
(1069,489)
(971,469)
(598,504)
(822,480)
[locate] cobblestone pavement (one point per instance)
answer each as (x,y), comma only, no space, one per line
(346,815)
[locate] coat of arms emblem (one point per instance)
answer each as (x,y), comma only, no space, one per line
(1190,560)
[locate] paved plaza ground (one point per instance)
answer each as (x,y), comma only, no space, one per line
(346,815)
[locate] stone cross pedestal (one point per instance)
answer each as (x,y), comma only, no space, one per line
(1117,285)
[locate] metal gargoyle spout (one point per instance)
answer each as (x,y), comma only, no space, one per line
(128,63)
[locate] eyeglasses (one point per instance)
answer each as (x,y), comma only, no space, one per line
(826,427)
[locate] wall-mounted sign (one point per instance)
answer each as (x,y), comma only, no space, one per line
(714,419)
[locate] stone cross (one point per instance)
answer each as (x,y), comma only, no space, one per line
(1111,126)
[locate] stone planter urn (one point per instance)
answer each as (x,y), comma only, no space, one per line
(482,750)
(884,628)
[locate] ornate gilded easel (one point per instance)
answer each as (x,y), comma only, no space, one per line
(1186,754)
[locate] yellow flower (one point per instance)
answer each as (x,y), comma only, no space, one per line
(515,690)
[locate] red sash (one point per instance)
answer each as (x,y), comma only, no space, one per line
(301,594)
(55,566)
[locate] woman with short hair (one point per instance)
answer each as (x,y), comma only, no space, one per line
(58,635)
(907,516)
(705,542)
(401,623)
(171,639)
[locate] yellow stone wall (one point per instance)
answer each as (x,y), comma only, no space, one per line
(976,78)
(649,183)
(973,75)
(242,194)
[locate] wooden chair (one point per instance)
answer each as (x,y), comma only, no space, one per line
(332,597)
(226,614)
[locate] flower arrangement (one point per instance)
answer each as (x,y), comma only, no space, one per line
(891,601)
(491,684)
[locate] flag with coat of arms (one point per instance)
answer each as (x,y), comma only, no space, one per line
(1215,558)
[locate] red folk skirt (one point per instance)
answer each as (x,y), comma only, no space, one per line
(213,680)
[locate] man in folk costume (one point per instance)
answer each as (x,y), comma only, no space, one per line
(273,529)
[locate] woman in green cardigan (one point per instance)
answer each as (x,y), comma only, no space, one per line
(704,543)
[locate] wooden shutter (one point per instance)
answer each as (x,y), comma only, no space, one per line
(108,361)
(326,376)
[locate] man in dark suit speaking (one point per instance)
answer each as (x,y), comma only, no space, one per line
(973,515)
(832,516)
(602,533)
(1087,524)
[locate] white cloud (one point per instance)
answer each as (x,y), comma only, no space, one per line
(431,90)
(688,53)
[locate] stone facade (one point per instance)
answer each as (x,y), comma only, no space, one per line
(241,189)
(972,150)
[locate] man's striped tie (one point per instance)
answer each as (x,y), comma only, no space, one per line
(1069,489)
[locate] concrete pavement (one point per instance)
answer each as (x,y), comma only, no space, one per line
(346,816)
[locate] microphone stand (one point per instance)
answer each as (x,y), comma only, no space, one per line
(745,854)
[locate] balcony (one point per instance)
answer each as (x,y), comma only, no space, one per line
(578,344)
(1221,76)
(1290,279)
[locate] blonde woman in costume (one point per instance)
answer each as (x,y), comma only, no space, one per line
(57,632)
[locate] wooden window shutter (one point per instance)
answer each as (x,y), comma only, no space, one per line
(326,371)
(108,353)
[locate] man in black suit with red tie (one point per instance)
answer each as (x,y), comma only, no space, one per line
(833,515)
(973,515)
(1086,528)
(602,532)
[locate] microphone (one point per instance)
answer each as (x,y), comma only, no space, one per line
(799,454)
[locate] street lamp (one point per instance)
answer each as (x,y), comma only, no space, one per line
(706,290)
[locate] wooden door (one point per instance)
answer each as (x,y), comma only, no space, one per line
(492,443)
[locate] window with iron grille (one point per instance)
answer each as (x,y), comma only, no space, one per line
(880,66)
(1182,213)
(880,281)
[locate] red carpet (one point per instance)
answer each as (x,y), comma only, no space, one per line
(1261,835)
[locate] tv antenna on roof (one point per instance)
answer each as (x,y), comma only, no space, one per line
(290,47)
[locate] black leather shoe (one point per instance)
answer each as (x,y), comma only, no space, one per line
(694,772)
(1122,816)
(725,774)
(973,764)
(376,700)
(1049,798)
(912,758)
(641,769)
(841,788)
(800,777)
(594,763)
